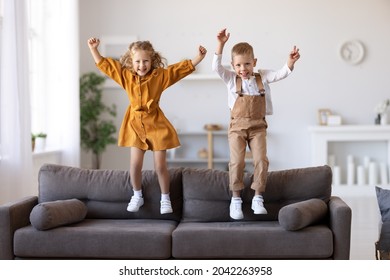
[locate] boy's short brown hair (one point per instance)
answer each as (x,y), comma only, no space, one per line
(242,48)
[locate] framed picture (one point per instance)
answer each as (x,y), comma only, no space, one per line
(323,115)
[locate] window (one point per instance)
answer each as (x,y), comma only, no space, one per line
(1,40)
(37,17)
(1,29)
(50,28)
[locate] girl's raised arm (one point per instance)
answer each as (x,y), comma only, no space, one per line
(201,54)
(93,44)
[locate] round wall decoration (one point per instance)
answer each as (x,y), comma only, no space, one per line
(352,51)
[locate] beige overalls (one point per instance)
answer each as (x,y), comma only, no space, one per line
(248,126)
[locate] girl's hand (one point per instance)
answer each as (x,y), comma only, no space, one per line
(202,52)
(93,43)
(222,36)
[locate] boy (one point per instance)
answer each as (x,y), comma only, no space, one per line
(249,101)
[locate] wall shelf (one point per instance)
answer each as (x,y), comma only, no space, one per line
(193,141)
(110,84)
(201,77)
(321,136)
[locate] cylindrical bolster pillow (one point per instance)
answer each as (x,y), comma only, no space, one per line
(298,215)
(57,213)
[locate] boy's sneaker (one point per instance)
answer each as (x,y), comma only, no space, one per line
(236,209)
(135,203)
(258,206)
(165,207)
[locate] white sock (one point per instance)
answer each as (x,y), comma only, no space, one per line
(137,193)
(165,197)
(236,199)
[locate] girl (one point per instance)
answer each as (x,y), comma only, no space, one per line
(141,73)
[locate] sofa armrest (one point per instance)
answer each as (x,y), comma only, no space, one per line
(340,218)
(13,215)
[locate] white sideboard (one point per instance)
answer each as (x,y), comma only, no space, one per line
(362,144)
(372,141)
(322,136)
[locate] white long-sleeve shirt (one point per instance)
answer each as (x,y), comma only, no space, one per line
(249,86)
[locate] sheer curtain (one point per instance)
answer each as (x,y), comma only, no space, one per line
(62,78)
(60,104)
(15,132)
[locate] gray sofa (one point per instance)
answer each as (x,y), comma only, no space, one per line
(81,214)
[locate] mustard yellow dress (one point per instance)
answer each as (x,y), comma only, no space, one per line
(144,124)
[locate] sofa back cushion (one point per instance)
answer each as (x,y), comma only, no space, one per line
(206,193)
(107,192)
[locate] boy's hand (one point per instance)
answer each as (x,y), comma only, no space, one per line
(293,57)
(93,43)
(222,36)
(294,54)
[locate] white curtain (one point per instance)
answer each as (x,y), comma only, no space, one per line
(61,92)
(15,132)
(62,79)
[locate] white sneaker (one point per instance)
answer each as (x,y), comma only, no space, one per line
(235,209)
(258,206)
(165,207)
(135,203)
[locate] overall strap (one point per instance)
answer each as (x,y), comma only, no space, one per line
(259,83)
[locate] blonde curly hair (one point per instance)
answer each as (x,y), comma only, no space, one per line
(157,60)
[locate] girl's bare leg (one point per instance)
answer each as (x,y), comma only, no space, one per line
(160,165)
(136,162)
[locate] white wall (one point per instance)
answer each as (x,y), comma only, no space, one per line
(320,80)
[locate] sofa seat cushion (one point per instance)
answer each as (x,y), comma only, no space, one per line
(250,240)
(98,238)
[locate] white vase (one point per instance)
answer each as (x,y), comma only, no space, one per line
(40,144)
(384,119)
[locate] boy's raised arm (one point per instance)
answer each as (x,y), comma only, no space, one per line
(293,57)
(222,38)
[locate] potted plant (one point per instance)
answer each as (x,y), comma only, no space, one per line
(38,141)
(96,131)
(381,111)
